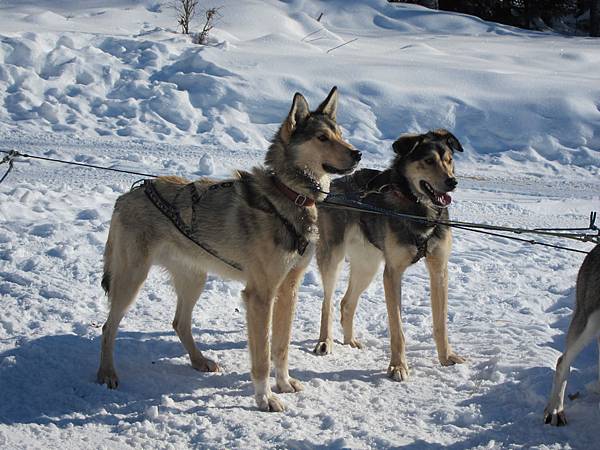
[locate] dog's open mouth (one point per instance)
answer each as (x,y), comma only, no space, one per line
(437,198)
(330,169)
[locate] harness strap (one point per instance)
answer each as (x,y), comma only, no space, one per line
(173,215)
(421,249)
(421,243)
(373,187)
(300,242)
(381,182)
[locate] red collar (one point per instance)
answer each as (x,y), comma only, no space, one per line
(298,199)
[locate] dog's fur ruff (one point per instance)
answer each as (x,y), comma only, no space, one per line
(367,239)
(249,221)
(584,326)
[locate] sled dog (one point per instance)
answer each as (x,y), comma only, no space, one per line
(584,326)
(416,183)
(259,227)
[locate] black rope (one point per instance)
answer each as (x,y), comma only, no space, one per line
(92,166)
(480,228)
(10,159)
(364,207)
(528,241)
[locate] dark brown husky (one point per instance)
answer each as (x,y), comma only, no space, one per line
(417,183)
(260,227)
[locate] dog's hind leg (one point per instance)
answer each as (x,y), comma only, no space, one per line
(329,261)
(127,273)
(283,315)
(364,264)
(188,286)
(437,265)
(581,332)
(259,309)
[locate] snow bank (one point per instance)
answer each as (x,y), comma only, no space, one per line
(528,95)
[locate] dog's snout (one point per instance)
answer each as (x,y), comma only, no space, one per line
(356,155)
(451,182)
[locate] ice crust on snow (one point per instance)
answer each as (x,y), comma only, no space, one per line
(110,83)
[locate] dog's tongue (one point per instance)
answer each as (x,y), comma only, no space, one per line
(444,199)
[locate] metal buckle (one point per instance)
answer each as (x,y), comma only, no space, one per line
(300,200)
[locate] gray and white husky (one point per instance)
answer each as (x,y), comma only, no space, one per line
(584,326)
(259,227)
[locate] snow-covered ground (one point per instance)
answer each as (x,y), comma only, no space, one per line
(110,83)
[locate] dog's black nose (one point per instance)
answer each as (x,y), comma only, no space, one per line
(451,182)
(356,155)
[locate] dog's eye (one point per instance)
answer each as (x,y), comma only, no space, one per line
(430,161)
(323,138)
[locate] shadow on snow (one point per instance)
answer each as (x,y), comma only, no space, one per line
(53,379)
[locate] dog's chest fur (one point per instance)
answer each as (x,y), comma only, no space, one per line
(376,229)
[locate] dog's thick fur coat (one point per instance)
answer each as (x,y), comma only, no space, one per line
(416,183)
(584,326)
(248,220)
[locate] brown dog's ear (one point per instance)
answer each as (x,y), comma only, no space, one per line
(450,138)
(405,144)
(329,105)
(298,112)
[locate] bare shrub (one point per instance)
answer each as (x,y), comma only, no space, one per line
(185,10)
(211,16)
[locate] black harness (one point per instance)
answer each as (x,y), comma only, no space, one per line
(300,242)
(172,213)
(379,183)
(421,244)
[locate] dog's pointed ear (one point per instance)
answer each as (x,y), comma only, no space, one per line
(329,105)
(298,112)
(405,144)
(450,139)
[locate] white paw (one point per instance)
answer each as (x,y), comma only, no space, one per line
(289,385)
(205,365)
(452,359)
(398,373)
(269,402)
(354,343)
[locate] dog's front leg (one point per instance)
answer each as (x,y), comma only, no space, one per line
(259,309)
(283,316)
(392,283)
(437,264)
